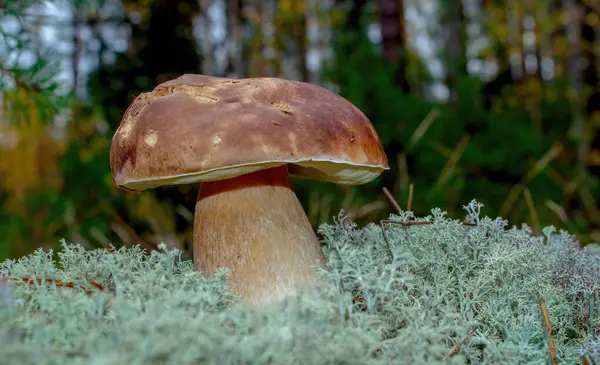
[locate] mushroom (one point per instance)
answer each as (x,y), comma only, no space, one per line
(241,139)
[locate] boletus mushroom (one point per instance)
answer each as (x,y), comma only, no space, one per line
(241,139)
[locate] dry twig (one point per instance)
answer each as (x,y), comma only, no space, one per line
(454,350)
(38,280)
(384,222)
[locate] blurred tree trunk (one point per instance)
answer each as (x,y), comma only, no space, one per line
(290,32)
(316,25)
(508,51)
(544,30)
(257,67)
(515,26)
(352,26)
(270,49)
(235,31)
(573,73)
(539,13)
(301,43)
(530,38)
(455,39)
(76,23)
(354,10)
(590,35)
(206,41)
(393,38)
(590,52)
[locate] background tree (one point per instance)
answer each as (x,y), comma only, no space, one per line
(494,100)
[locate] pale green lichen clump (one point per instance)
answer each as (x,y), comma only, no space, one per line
(436,284)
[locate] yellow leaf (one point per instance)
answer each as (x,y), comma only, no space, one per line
(285,5)
(594,158)
(591,19)
(29,159)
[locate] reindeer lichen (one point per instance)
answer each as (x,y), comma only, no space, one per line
(432,293)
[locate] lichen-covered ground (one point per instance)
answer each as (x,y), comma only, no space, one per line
(434,293)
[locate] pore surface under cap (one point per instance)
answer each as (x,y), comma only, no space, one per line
(200,128)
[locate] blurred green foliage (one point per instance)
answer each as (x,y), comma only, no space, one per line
(510,146)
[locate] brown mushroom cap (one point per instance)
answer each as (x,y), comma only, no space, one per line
(199,128)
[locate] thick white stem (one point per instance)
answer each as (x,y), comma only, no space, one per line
(262,235)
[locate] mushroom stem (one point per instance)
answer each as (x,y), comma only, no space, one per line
(255,226)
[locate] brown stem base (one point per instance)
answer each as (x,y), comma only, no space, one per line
(255,226)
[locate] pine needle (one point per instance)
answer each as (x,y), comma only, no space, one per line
(535,220)
(548,327)
(392,200)
(422,128)
(453,160)
(560,211)
(410,197)
(537,168)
